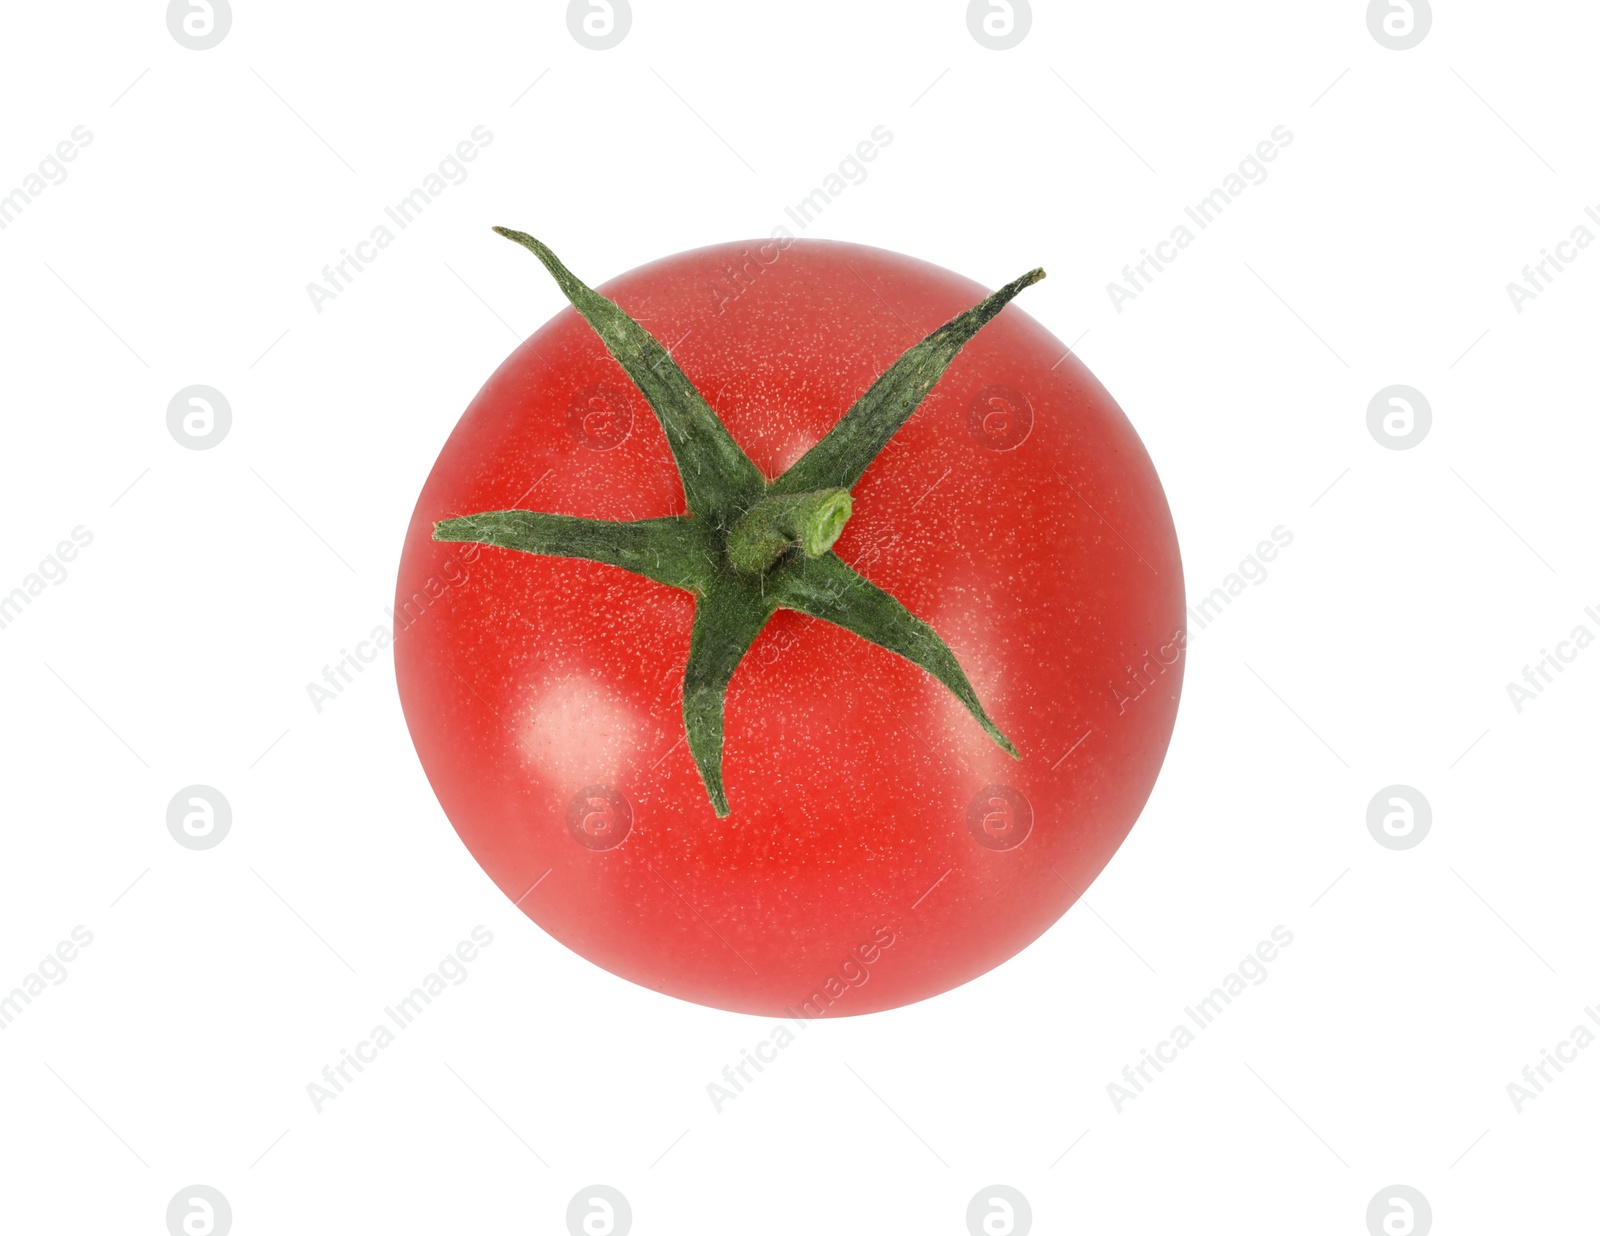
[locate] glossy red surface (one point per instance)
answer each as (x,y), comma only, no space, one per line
(1031,532)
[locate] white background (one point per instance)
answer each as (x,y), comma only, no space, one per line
(1377,650)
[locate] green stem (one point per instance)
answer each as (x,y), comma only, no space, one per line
(780,522)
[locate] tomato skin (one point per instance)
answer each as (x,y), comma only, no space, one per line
(867,863)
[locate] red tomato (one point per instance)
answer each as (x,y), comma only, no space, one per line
(881,847)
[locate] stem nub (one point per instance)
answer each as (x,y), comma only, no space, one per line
(780,522)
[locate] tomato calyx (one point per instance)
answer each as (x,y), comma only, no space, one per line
(748,547)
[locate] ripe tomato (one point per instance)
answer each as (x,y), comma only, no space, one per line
(849,831)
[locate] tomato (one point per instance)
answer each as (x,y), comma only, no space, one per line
(780,647)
